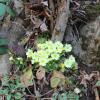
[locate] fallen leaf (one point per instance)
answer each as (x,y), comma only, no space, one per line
(55,82)
(57,79)
(27,77)
(40,74)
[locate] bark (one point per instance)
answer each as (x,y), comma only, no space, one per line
(51,6)
(61,22)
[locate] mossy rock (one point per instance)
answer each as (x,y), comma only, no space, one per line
(93,11)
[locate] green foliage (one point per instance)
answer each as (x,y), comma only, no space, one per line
(3,46)
(4,1)
(93,10)
(18,61)
(65,96)
(98,83)
(10,11)
(41,40)
(2,9)
(3,42)
(5,8)
(51,66)
(12,88)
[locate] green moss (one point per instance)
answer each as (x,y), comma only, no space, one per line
(93,10)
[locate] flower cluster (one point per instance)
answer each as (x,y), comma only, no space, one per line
(14,60)
(47,52)
(70,62)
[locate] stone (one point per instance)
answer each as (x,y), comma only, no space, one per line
(4,64)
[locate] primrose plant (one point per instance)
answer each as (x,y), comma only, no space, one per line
(50,52)
(11,88)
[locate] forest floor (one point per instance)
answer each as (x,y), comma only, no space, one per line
(49,50)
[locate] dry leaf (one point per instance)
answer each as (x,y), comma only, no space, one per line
(27,77)
(40,74)
(87,77)
(57,79)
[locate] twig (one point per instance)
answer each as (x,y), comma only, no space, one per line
(46,99)
(32,95)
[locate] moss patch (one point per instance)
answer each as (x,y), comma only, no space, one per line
(93,11)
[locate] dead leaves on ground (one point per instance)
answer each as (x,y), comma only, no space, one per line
(57,79)
(27,77)
(40,74)
(84,77)
(94,79)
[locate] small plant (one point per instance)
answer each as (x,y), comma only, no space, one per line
(50,54)
(18,61)
(12,88)
(65,96)
(5,8)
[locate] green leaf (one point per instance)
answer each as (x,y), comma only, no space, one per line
(62,96)
(10,11)
(2,9)
(18,96)
(8,97)
(5,80)
(98,84)
(3,41)
(4,1)
(54,96)
(5,91)
(72,96)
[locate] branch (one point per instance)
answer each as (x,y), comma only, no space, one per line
(61,22)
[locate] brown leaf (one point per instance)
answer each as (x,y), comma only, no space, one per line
(40,74)
(27,77)
(57,79)
(88,77)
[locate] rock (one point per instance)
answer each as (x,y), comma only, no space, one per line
(4,64)
(90,35)
(86,43)
(72,38)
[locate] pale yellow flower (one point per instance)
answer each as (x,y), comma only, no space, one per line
(70,62)
(11,58)
(55,56)
(68,48)
(29,53)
